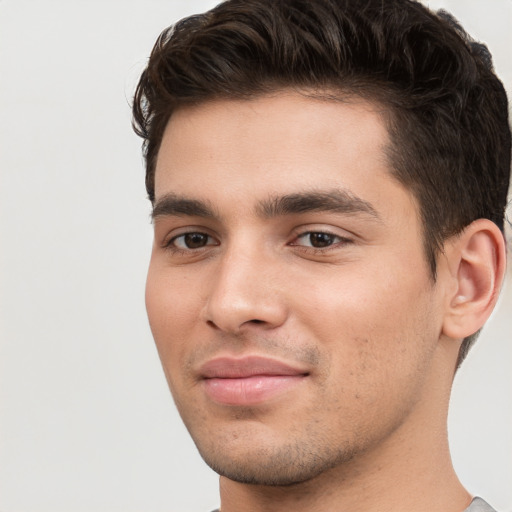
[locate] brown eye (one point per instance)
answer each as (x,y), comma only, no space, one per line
(190,241)
(321,239)
(195,240)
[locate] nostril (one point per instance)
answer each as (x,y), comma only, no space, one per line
(255,321)
(211,324)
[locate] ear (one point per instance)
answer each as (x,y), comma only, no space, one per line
(476,262)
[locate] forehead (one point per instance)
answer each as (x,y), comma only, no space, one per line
(236,153)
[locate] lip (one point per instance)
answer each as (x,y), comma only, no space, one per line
(250,380)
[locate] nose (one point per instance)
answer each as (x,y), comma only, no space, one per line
(245,293)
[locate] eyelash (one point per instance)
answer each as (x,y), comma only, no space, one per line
(336,242)
(171,243)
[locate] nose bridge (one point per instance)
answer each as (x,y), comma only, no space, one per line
(244,289)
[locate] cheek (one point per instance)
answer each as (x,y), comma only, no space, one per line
(172,310)
(380,353)
(361,305)
(374,324)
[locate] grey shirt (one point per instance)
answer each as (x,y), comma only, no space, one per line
(477,505)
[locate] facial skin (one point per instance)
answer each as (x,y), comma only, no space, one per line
(309,255)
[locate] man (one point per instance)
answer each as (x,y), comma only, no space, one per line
(328,181)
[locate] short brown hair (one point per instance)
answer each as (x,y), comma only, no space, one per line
(448,113)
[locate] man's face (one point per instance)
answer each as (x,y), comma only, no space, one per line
(288,292)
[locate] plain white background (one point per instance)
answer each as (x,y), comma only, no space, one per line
(87,423)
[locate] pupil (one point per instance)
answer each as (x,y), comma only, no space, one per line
(320,239)
(195,240)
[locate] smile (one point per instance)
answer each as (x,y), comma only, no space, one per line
(248,381)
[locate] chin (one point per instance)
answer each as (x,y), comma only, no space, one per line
(278,466)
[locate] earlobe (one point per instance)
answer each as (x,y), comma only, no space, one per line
(476,259)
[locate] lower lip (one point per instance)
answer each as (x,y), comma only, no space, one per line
(249,390)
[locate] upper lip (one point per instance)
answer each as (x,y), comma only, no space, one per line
(248,366)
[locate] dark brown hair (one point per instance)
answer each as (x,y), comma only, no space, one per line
(447,111)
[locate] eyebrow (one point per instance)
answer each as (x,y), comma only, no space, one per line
(174,205)
(336,201)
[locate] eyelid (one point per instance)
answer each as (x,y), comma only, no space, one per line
(302,232)
(172,241)
(167,240)
(313,232)
(322,228)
